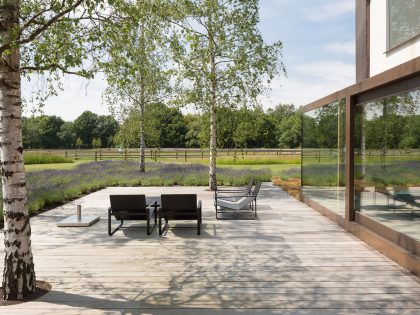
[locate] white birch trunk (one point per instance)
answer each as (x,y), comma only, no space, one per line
(142,101)
(213,104)
(19,273)
(213,148)
(142,144)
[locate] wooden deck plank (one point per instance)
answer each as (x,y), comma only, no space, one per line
(291,261)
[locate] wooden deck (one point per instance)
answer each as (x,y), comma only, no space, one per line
(290,261)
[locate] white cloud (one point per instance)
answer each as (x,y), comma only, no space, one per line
(274,9)
(310,82)
(330,10)
(78,96)
(347,48)
(331,71)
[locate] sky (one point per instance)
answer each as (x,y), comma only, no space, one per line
(318,51)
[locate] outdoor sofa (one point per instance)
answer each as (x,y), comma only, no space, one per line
(179,207)
(131,207)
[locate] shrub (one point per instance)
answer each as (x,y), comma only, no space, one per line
(42,158)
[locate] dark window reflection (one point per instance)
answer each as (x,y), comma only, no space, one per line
(387,161)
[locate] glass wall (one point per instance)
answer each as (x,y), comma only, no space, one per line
(323,156)
(403,21)
(387,161)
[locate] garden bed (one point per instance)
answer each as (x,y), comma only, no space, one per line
(50,188)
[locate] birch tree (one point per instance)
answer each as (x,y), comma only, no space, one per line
(48,37)
(222,59)
(137,70)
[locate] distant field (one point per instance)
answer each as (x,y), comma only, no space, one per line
(277,166)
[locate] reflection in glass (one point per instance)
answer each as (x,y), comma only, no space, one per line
(404,20)
(323,156)
(387,161)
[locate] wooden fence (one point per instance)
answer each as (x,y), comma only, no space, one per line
(392,154)
(167,153)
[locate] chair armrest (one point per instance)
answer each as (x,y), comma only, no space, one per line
(230,196)
(227,190)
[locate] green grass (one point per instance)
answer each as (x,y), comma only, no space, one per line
(258,160)
(37,158)
(53,166)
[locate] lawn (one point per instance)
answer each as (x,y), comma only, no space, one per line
(54,166)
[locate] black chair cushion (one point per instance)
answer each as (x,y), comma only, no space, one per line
(179,206)
(128,207)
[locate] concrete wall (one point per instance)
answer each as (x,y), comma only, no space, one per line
(380,59)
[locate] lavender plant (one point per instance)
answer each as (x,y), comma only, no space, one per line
(52,187)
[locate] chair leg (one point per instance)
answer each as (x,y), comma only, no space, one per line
(110,233)
(255,207)
(148,221)
(160,225)
(116,229)
(109,222)
(155,212)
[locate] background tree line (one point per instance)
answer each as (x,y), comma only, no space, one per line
(391,123)
(167,127)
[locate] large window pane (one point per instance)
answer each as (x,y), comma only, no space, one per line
(404,20)
(323,156)
(387,161)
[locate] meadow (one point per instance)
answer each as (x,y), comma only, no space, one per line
(50,187)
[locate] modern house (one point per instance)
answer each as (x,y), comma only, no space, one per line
(361,145)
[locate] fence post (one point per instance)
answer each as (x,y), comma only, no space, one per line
(96,156)
(65,154)
(125,155)
(185,155)
(202,154)
(100,155)
(155,155)
(176,154)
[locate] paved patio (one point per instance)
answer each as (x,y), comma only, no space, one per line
(290,261)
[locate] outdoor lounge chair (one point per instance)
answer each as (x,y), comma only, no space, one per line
(179,207)
(247,202)
(406,197)
(130,207)
(235,193)
(245,189)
